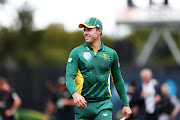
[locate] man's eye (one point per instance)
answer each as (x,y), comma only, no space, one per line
(89,29)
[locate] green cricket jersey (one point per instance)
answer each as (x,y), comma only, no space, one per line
(88,72)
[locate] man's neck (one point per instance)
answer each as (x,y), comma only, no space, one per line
(96,45)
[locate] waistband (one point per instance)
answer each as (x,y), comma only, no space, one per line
(96,99)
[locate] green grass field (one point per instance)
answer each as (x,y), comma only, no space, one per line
(28,114)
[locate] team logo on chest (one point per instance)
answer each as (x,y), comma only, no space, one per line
(105,56)
(87,55)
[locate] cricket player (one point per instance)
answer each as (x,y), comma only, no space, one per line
(88,73)
(9,100)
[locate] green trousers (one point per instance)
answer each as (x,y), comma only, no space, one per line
(101,110)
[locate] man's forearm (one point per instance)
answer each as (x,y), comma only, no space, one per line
(122,92)
(16,104)
(70,84)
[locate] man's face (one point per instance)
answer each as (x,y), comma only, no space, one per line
(146,77)
(3,86)
(91,34)
(61,88)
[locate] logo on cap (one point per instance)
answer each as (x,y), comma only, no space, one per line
(88,20)
(105,114)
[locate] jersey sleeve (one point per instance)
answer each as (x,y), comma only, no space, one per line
(118,80)
(14,95)
(71,71)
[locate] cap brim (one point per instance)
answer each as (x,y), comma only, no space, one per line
(81,25)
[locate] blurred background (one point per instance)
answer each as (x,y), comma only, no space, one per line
(36,37)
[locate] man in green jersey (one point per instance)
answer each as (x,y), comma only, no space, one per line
(88,73)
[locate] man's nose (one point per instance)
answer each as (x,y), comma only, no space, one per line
(85,32)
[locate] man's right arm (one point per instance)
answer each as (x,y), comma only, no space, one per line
(71,73)
(15,105)
(79,100)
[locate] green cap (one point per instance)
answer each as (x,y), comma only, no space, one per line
(92,23)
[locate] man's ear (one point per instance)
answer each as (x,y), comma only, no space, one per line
(100,31)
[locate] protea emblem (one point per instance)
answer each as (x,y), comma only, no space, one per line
(87,55)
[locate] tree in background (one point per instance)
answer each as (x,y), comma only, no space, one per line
(26,47)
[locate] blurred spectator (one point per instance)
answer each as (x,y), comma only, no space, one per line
(130,93)
(9,100)
(176,102)
(60,104)
(166,107)
(146,96)
(50,88)
(131,90)
(170,105)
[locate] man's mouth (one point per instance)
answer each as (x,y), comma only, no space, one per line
(86,37)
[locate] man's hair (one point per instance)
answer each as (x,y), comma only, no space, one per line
(99,29)
(2,80)
(145,70)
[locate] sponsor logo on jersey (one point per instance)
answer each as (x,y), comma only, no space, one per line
(105,114)
(87,55)
(69,59)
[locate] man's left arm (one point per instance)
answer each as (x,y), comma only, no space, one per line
(119,85)
(15,105)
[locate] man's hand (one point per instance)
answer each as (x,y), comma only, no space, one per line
(126,112)
(9,112)
(143,94)
(79,100)
(66,101)
(1,104)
